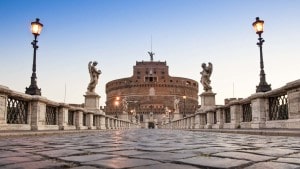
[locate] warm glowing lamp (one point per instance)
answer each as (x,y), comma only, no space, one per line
(36,27)
(258,26)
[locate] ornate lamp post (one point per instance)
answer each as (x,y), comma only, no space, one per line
(184,98)
(36,28)
(259,28)
(116,105)
(169,115)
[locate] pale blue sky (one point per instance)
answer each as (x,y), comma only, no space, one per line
(116,33)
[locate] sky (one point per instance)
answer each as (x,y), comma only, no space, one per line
(117,33)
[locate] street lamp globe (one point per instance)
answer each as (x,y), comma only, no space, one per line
(36,27)
(258,26)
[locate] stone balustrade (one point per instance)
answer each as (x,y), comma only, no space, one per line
(279,108)
(19,111)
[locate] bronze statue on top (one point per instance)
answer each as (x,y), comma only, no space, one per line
(205,78)
(94,74)
(151,55)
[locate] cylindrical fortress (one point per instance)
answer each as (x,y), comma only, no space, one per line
(150,94)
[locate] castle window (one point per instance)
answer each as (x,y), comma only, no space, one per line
(150,79)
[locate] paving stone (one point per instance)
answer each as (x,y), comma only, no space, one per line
(143,148)
(46,164)
(297,155)
(127,152)
(80,147)
(12,154)
(13,160)
(273,165)
(244,156)
(211,150)
(84,167)
(158,149)
(86,158)
(167,166)
(121,162)
(215,162)
(289,160)
(163,156)
(196,151)
(272,151)
(106,149)
(60,153)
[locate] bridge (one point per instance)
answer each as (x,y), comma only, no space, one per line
(278,108)
(39,133)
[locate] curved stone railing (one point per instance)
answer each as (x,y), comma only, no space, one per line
(19,111)
(279,108)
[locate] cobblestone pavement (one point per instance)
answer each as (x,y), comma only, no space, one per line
(149,149)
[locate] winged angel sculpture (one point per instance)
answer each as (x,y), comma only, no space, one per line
(94,74)
(205,78)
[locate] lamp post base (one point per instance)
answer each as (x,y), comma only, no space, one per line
(263,88)
(33,90)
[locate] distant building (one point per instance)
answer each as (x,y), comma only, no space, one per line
(149,93)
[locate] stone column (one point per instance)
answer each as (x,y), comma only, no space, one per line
(192,122)
(260,107)
(78,119)
(107,123)
(197,121)
(102,125)
(3,109)
(117,124)
(294,103)
(89,120)
(220,119)
(181,121)
(202,120)
(146,123)
(63,116)
(235,113)
(112,123)
(38,114)
(210,119)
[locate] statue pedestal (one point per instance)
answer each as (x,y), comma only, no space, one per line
(123,116)
(91,101)
(208,104)
(207,99)
(176,115)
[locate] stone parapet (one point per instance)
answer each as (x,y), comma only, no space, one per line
(278,108)
(19,111)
